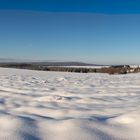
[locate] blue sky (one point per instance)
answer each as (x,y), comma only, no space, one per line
(97,31)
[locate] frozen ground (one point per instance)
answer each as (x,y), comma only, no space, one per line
(38,105)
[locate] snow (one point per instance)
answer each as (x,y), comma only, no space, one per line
(134,66)
(37,105)
(94,67)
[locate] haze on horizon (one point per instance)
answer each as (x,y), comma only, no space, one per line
(105,32)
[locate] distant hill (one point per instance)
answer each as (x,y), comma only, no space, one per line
(64,64)
(45,63)
(9,60)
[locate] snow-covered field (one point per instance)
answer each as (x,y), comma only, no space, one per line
(37,105)
(93,67)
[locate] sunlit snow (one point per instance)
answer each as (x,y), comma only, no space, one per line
(37,105)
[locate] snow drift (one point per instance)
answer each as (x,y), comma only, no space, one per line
(37,105)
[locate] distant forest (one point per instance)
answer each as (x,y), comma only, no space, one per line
(118,69)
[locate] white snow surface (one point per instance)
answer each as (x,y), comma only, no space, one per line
(37,105)
(94,67)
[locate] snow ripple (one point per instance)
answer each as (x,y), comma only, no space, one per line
(38,105)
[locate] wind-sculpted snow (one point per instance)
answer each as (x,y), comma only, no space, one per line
(37,105)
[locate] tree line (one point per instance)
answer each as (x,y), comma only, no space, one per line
(122,69)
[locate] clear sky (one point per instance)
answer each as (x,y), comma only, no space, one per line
(97,31)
